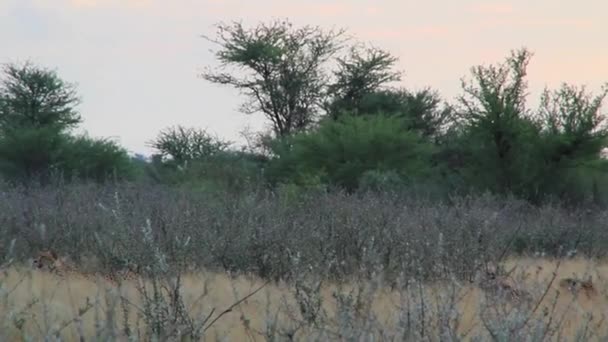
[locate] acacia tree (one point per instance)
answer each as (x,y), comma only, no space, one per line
(283,73)
(573,119)
(361,73)
(574,134)
(183,144)
(37,113)
(37,109)
(507,148)
(497,123)
(32,96)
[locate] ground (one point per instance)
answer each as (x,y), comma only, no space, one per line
(38,302)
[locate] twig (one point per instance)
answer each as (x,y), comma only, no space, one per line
(553,277)
(513,237)
(141,310)
(235,305)
(83,310)
(208,317)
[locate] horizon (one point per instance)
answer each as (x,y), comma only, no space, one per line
(138,75)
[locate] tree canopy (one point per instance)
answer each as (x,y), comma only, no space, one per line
(37,113)
(283,67)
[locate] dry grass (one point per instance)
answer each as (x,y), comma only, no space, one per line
(36,303)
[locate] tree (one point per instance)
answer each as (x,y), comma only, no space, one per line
(499,128)
(33,97)
(284,75)
(182,144)
(573,119)
(363,72)
(501,145)
(37,112)
(37,109)
(574,134)
(193,158)
(360,89)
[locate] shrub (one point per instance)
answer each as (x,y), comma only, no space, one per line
(83,157)
(341,151)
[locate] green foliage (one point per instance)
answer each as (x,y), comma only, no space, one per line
(284,70)
(30,154)
(374,180)
(572,139)
(223,171)
(573,123)
(34,97)
(372,138)
(193,158)
(340,152)
(421,109)
(502,146)
(227,171)
(181,145)
(37,111)
(362,73)
(498,126)
(100,160)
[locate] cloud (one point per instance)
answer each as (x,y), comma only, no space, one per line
(531,23)
(329,9)
(401,33)
(492,8)
(333,9)
(86,4)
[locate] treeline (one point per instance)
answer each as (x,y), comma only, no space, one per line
(335,122)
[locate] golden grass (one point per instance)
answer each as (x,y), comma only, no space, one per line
(41,302)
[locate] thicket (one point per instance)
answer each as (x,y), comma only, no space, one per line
(337,235)
(336,124)
(328,249)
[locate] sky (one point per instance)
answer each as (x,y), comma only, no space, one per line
(136,63)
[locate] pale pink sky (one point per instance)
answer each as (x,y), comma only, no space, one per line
(136,61)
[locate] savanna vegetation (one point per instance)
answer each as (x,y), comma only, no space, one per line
(365,211)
